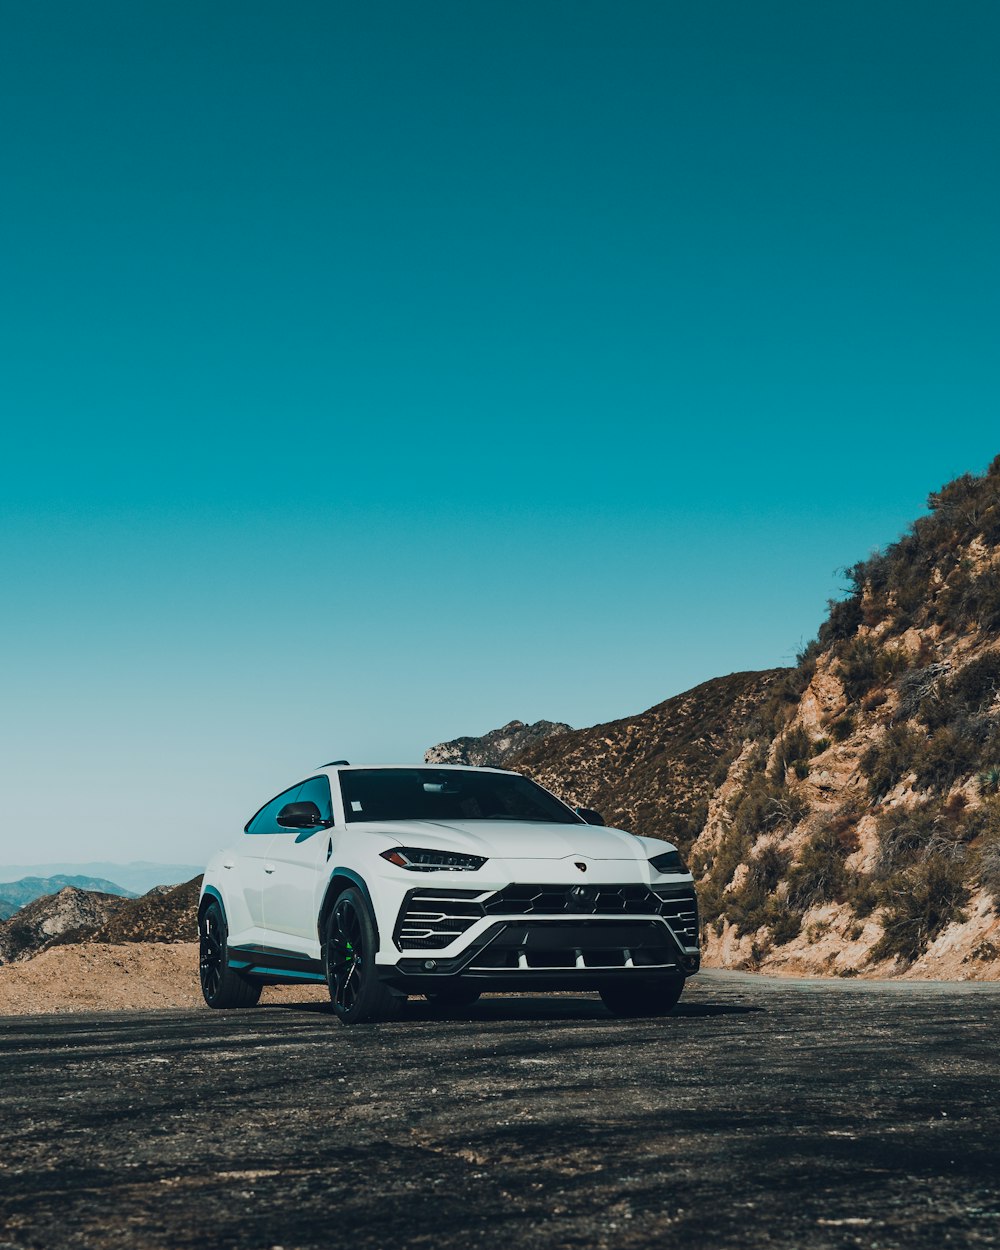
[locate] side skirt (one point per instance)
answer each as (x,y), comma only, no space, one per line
(277,966)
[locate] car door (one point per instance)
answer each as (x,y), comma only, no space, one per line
(250,870)
(295,875)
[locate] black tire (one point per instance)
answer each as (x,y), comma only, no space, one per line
(643,998)
(221,986)
(359,996)
(453,996)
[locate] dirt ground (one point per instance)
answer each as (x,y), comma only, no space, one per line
(140,976)
(131,976)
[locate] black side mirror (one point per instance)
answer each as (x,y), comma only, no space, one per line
(588,814)
(300,816)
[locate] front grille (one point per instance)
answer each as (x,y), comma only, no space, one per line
(580,900)
(432,919)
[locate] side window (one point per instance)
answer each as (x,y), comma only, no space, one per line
(266,820)
(317,790)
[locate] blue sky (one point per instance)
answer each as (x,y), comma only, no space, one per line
(377,373)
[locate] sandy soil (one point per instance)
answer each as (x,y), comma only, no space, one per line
(133,976)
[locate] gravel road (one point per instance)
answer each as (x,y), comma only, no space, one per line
(762,1113)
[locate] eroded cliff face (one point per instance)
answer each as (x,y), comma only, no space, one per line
(826,879)
(858,834)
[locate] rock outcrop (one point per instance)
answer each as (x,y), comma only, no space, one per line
(498,747)
(55,917)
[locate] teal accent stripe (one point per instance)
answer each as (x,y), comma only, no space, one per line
(285,972)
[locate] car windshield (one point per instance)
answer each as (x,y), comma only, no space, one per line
(446,794)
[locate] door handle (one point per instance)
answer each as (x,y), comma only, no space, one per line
(228,863)
(269,868)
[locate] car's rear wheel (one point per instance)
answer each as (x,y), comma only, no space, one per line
(643,998)
(449,996)
(349,943)
(221,986)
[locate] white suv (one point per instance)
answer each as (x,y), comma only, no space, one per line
(443,881)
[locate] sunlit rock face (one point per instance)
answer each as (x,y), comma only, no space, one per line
(498,747)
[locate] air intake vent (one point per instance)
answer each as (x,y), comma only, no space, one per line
(431,919)
(681,914)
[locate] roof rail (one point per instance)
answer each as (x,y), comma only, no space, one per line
(334,763)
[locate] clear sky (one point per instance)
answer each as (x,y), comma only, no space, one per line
(374,373)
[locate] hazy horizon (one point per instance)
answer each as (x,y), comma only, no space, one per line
(378,375)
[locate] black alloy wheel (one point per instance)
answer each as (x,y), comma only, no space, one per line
(643,998)
(212,954)
(221,986)
(358,995)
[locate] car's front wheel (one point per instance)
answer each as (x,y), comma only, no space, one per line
(221,986)
(349,943)
(643,998)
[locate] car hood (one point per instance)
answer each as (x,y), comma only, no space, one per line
(514,839)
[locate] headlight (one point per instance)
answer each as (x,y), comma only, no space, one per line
(428,861)
(669,861)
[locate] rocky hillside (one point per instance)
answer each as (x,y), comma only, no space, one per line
(165,914)
(655,773)
(859,829)
(851,824)
(49,919)
(498,747)
(74,916)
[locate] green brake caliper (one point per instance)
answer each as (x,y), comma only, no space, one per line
(349,961)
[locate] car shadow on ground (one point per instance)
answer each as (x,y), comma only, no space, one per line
(528,1007)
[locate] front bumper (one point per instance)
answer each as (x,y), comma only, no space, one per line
(544,937)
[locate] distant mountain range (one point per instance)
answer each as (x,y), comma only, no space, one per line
(15,894)
(130,879)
